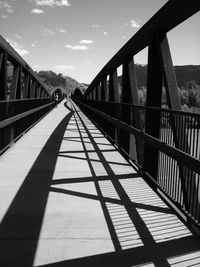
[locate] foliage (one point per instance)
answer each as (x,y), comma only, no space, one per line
(54,80)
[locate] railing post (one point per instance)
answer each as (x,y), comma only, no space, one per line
(3,94)
(19,84)
(103,89)
(94,93)
(114,98)
(130,96)
(32,91)
(152,121)
(124,137)
(136,145)
(3,76)
(14,85)
(27,86)
(106,90)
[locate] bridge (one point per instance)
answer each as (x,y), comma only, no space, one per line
(97,179)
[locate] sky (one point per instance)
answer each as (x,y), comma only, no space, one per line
(78,37)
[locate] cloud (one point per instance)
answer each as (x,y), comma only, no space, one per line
(77,47)
(105,33)
(20,50)
(63,68)
(62,31)
(36,67)
(37,11)
(51,3)
(4,16)
(18,36)
(95,26)
(86,42)
(6,6)
(46,32)
(134,24)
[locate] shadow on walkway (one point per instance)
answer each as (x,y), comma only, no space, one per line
(144,231)
(20,227)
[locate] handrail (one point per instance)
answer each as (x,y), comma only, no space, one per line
(5,123)
(175,153)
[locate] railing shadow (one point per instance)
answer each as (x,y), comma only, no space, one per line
(142,228)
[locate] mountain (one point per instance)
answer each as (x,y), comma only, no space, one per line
(187,73)
(65,83)
(184,74)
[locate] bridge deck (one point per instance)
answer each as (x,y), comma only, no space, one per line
(68,198)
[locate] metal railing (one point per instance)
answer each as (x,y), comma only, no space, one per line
(164,143)
(24,99)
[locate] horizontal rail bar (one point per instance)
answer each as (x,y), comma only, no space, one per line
(174,111)
(174,153)
(24,100)
(20,116)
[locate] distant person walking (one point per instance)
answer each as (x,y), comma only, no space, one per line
(56,99)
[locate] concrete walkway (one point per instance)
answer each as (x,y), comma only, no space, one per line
(68,198)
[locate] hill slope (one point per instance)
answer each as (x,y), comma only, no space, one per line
(184,74)
(66,83)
